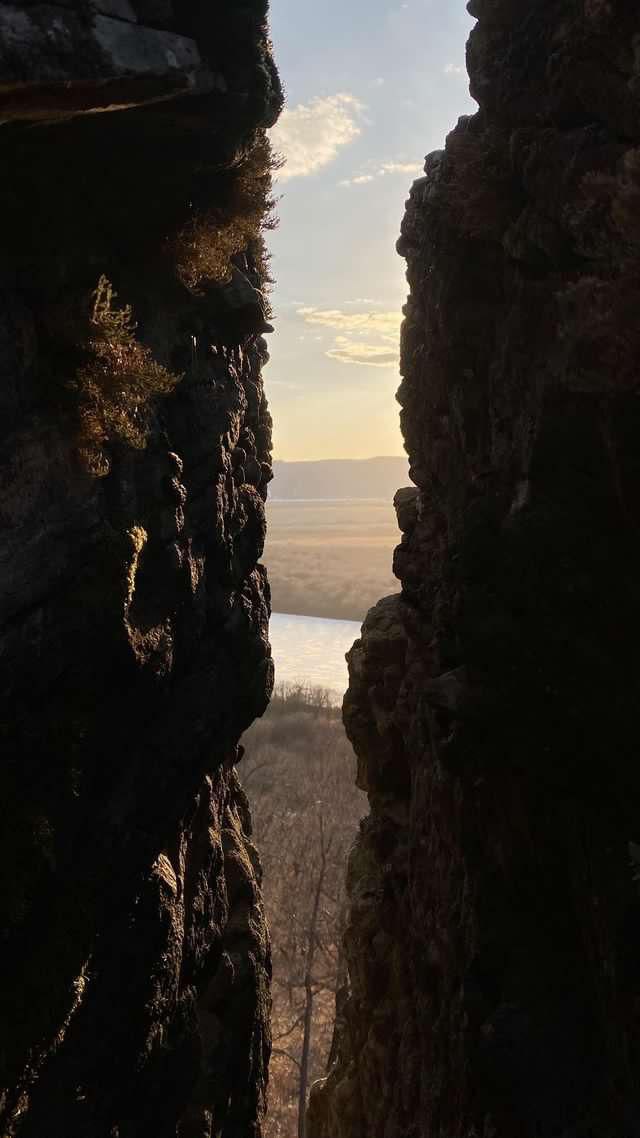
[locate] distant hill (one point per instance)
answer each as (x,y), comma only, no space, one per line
(339,478)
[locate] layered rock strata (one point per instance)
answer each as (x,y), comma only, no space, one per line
(134,613)
(495,887)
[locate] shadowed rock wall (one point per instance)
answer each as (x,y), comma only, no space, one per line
(494,889)
(134,955)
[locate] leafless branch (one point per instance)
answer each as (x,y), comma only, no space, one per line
(286,1055)
(290,1030)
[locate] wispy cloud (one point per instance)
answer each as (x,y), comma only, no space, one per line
(382,171)
(369,339)
(310,135)
(367,355)
(454,69)
(381,323)
(400,168)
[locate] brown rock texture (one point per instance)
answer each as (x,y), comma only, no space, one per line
(494,889)
(134,954)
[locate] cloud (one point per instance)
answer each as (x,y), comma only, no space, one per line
(379,323)
(367,355)
(453,69)
(310,135)
(369,339)
(400,168)
(382,171)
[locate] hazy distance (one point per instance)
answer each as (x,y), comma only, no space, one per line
(331,535)
(339,478)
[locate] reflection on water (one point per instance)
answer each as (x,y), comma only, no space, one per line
(311,650)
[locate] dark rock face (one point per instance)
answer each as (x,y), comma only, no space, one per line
(495,907)
(135,961)
(71,57)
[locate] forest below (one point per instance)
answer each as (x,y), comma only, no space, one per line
(299,773)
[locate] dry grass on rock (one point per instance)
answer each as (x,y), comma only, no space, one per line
(117,382)
(204,248)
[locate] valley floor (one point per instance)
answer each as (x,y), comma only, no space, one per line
(330,559)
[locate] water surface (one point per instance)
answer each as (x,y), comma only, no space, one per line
(311,650)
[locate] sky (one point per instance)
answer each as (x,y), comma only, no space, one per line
(372,86)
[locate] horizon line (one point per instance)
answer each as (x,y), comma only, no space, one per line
(369,458)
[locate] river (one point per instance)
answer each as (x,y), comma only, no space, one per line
(311,650)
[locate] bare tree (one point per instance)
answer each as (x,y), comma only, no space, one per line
(306,810)
(313,944)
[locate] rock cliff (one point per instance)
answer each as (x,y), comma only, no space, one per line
(494,918)
(136,450)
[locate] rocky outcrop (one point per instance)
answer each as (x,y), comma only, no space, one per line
(134,646)
(494,898)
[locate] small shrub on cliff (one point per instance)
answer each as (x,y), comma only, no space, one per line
(117,382)
(205,246)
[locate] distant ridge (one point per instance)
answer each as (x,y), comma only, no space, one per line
(339,478)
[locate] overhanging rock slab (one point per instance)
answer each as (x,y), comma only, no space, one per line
(56,63)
